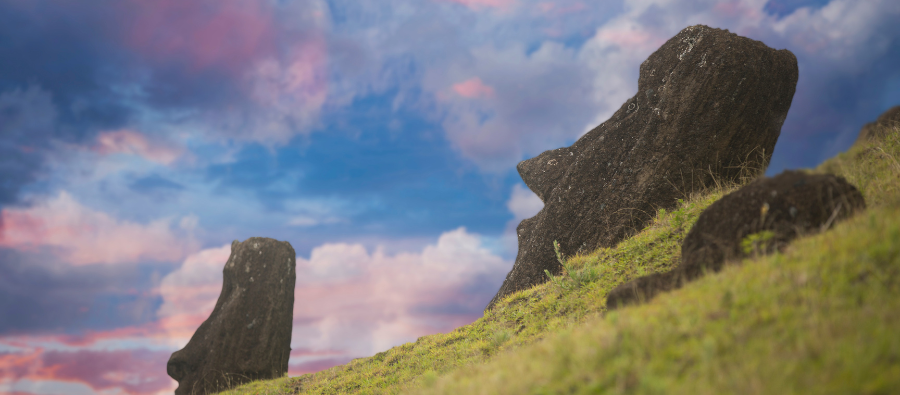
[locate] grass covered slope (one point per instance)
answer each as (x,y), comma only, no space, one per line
(818,318)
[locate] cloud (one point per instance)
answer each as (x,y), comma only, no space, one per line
(195,286)
(27,123)
(517,118)
(131,142)
(175,65)
(523,203)
(480,4)
(473,88)
(369,301)
(290,93)
(539,100)
(305,221)
(274,66)
(202,33)
(135,371)
(352,302)
(82,236)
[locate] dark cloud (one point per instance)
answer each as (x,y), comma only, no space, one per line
(98,66)
(68,52)
(27,122)
(833,101)
(52,86)
(37,296)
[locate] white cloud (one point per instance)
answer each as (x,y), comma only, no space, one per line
(535,100)
(194,288)
(366,302)
(499,83)
(288,94)
(523,203)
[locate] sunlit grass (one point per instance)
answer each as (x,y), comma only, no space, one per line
(817,318)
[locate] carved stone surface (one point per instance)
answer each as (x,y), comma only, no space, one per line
(708,103)
(876,130)
(788,205)
(248,335)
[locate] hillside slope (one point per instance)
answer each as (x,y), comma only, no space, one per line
(819,317)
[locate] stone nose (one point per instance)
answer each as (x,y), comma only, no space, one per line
(176,368)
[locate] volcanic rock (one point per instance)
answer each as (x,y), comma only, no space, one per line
(248,335)
(709,107)
(775,210)
(876,130)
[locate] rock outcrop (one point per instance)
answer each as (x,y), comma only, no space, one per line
(775,210)
(248,335)
(710,106)
(875,130)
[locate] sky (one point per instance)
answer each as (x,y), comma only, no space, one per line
(379,138)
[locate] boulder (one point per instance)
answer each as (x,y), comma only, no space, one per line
(248,335)
(758,218)
(877,129)
(709,108)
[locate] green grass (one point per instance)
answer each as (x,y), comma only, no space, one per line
(820,317)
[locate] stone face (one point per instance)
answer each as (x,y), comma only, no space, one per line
(788,205)
(875,130)
(248,335)
(708,103)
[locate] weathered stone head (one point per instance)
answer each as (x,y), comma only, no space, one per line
(248,335)
(709,107)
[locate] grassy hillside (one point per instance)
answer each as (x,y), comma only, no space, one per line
(821,317)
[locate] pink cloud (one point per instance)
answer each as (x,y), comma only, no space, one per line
(135,143)
(552,8)
(221,33)
(276,55)
(626,36)
(738,9)
(289,92)
(135,372)
(190,293)
(479,4)
(473,88)
(81,236)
